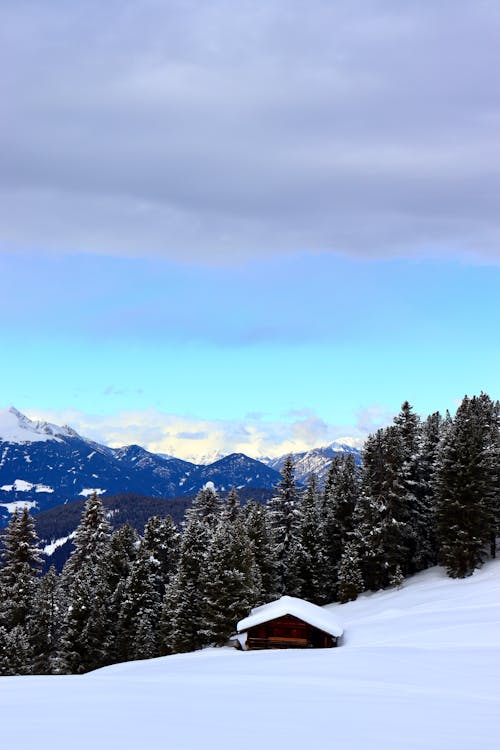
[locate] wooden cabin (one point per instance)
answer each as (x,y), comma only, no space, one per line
(288,623)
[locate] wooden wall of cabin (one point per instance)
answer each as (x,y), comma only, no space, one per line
(288,632)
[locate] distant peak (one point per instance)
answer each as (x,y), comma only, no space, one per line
(16,427)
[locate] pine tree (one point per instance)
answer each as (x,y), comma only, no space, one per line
(19,581)
(137,629)
(86,621)
(309,561)
(207,507)
(182,611)
(232,505)
(123,547)
(161,541)
(283,517)
(409,428)
(466,486)
(258,531)
(489,412)
(350,580)
(229,581)
(340,497)
(431,437)
(45,630)
(382,517)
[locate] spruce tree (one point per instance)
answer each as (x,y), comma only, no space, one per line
(382,516)
(466,483)
(259,534)
(123,546)
(340,497)
(182,611)
(138,619)
(350,580)
(45,630)
(161,541)
(309,560)
(207,507)
(86,620)
(283,518)
(19,580)
(229,580)
(409,427)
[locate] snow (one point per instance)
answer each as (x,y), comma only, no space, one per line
(18,505)
(21,485)
(87,491)
(205,459)
(17,428)
(345,444)
(419,669)
(49,549)
(290,605)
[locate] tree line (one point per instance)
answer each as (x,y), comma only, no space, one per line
(427,492)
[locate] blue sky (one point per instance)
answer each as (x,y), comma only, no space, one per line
(248,226)
(320,345)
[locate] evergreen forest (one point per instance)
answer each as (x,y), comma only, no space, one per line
(427,493)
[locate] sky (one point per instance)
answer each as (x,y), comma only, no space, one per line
(253,226)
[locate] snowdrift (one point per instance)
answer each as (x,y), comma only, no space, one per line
(418,668)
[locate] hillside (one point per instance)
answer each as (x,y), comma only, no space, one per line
(419,669)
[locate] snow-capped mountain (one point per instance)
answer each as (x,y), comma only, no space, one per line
(17,428)
(205,459)
(318,460)
(43,465)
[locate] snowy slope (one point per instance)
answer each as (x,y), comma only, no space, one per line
(419,670)
(318,460)
(17,428)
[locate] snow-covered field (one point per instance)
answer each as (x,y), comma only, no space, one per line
(418,668)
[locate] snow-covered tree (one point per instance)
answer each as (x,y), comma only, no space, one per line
(86,620)
(466,487)
(230,581)
(257,525)
(350,580)
(340,496)
(138,619)
(382,516)
(283,518)
(45,627)
(182,612)
(308,561)
(19,581)
(207,507)
(161,541)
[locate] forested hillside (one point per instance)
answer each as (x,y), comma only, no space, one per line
(428,492)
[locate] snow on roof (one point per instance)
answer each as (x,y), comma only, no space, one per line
(289,605)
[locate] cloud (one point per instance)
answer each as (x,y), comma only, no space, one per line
(190,437)
(371,418)
(216,132)
(186,435)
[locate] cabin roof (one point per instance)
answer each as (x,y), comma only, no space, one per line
(290,605)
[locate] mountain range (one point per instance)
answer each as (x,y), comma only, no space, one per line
(43,465)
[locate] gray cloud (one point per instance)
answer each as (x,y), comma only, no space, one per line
(220,131)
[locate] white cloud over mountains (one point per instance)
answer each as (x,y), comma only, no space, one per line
(221,131)
(189,437)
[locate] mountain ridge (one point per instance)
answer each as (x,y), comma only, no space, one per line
(43,465)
